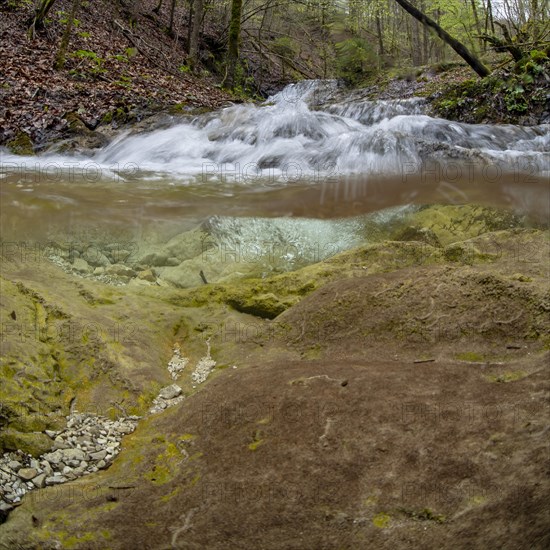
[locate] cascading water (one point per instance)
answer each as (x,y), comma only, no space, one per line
(297,134)
(308,151)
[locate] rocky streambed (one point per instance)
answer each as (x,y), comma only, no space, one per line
(88,443)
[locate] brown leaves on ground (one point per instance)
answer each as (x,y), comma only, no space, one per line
(104,71)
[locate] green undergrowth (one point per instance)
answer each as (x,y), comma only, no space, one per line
(505,96)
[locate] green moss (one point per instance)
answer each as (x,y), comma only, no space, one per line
(106,507)
(419,234)
(166,465)
(145,399)
(470,356)
(178,108)
(76,125)
(501,97)
(137,459)
(314,352)
(30,423)
(159,475)
(34,444)
(459,252)
(381,520)
(21,144)
(257,441)
(306,288)
(507,376)
(266,306)
(64,538)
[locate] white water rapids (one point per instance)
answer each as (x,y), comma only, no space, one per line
(302,136)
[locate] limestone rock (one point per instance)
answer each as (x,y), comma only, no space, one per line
(81,266)
(27,473)
(147,275)
(121,270)
(40,481)
(95,257)
(169,392)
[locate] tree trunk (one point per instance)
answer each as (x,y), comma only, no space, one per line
(416,50)
(172,12)
(37,21)
(489,18)
(198,13)
(505,45)
(380,36)
(62,52)
(353,7)
(457,46)
(233,45)
(476,20)
(157,8)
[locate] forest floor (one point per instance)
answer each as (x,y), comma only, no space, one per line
(113,75)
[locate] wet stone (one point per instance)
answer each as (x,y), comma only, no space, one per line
(14,465)
(55,480)
(27,473)
(39,481)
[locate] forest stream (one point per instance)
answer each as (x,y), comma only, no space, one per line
(349,259)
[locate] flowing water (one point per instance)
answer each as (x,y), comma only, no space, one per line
(312,171)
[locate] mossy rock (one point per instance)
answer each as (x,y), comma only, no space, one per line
(419,234)
(30,423)
(35,443)
(21,144)
(266,306)
(81,137)
(76,125)
(118,115)
(454,223)
(459,252)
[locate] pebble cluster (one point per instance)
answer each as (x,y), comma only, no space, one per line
(177,363)
(204,367)
(172,395)
(108,266)
(88,444)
